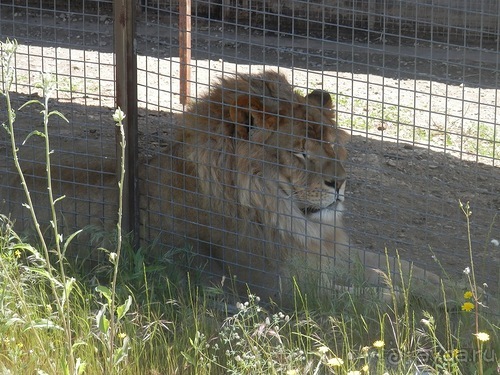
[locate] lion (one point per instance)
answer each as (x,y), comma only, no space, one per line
(255,182)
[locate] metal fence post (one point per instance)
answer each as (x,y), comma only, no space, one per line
(126,98)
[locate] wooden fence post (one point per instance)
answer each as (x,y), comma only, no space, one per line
(126,99)
(184,50)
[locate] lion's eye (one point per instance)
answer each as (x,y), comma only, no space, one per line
(301,155)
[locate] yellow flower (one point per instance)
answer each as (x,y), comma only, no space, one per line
(379,344)
(17,254)
(335,362)
(292,372)
(483,336)
(365,368)
(122,335)
(467,306)
(468,294)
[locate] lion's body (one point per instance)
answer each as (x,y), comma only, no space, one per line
(254,181)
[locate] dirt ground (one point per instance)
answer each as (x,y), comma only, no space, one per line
(403,194)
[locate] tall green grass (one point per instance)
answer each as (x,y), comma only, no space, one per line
(130,316)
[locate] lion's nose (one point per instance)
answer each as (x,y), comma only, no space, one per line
(341,190)
(339,186)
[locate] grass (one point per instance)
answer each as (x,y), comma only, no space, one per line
(131,316)
(173,326)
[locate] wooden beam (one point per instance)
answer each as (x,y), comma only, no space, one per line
(185,50)
(126,99)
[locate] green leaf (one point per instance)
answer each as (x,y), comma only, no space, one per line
(13,321)
(102,321)
(47,275)
(70,283)
(80,366)
(65,366)
(78,344)
(105,292)
(34,132)
(44,324)
(189,358)
(7,129)
(121,353)
(30,102)
(59,114)
(70,239)
(123,309)
(60,198)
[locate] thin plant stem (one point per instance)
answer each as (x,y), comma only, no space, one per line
(7,77)
(472,280)
(118,117)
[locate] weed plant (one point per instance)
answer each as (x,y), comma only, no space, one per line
(152,319)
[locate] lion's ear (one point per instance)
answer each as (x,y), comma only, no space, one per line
(241,108)
(248,112)
(320,98)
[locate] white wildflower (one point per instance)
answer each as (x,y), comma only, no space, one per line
(118,116)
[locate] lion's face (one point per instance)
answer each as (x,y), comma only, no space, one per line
(310,170)
(302,148)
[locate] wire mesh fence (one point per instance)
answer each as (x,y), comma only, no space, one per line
(414,84)
(74,43)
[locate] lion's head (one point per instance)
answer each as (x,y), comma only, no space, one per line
(290,139)
(302,145)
